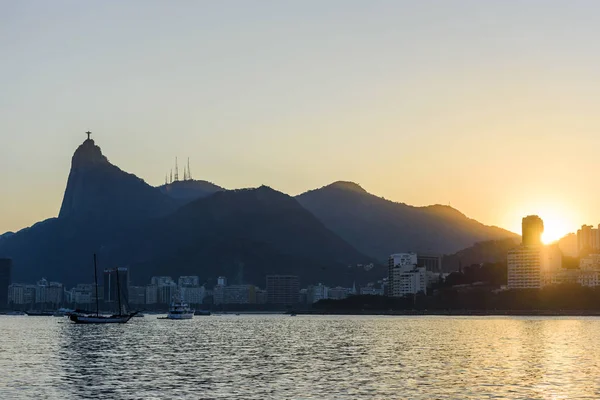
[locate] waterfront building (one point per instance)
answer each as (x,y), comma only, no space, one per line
(338,293)
(533,265)
(160,280)
(137,295)
(588,239)
(193,294)
(590,262)
(371,290)
(317,292)
(111,285)
(5,281)
(239,294)
(219,294)
(532,228)
(83,294)
(405,277)
(19,294)
(166,291)
(152,294)
(188,281)
(261,296)
(283,289)
(48,292)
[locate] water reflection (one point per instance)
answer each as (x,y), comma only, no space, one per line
(274,357)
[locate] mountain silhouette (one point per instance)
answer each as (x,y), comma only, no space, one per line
(189,190)
(245,235)
(99,192)
(379,227)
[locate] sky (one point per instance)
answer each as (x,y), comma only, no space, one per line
(489,106)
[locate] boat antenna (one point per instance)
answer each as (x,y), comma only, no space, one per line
(96,282)
(118,290)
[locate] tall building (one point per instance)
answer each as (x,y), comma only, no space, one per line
(283,289)
(405,277)
(222,281)
(532,228)
(137,295)
(151,294)
(48,292)
(588,239)
(112,285)
(5,280)
(532,265)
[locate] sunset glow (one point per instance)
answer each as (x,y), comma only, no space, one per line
(555,227)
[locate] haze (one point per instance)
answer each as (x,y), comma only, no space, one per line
(488,106)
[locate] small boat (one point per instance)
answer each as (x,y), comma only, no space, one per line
(63,312)
(179,309)
(97,318)
(202,312)
(33,313)
(14,313)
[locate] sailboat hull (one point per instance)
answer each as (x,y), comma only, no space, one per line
(93,319)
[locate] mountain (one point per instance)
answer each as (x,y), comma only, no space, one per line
(100,192)
(99,203)
(6,235)
(244,235)
(491,251)
(379,227)
(190,190)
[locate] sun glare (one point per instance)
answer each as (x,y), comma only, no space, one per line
(555,228)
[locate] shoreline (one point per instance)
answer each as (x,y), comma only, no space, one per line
(460,313)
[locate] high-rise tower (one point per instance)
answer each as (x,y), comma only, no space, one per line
(532,229)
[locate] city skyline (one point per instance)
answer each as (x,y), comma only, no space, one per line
(487,107)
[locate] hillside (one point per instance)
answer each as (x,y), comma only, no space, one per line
(190,190)
(245,235)
(379,227)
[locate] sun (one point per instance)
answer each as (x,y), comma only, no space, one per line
(555,227)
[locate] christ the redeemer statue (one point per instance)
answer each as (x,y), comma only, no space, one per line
(88,133)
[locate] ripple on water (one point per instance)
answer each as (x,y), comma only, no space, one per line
(307,357)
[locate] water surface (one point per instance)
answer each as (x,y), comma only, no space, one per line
(303,357)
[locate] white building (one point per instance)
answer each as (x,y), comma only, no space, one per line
(531,267)
(317,292)
(338,293)
(370,290)
(151,294)
(591,262)
(83,294)
(193,295)
(404,276)
(188,281)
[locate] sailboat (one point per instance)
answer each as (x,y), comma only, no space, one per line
(96,318)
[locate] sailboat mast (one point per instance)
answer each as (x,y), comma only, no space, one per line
(96,282)
(118,290)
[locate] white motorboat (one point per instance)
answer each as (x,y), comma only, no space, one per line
(179,309)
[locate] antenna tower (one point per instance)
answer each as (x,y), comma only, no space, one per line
(189,173)
(176,171)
